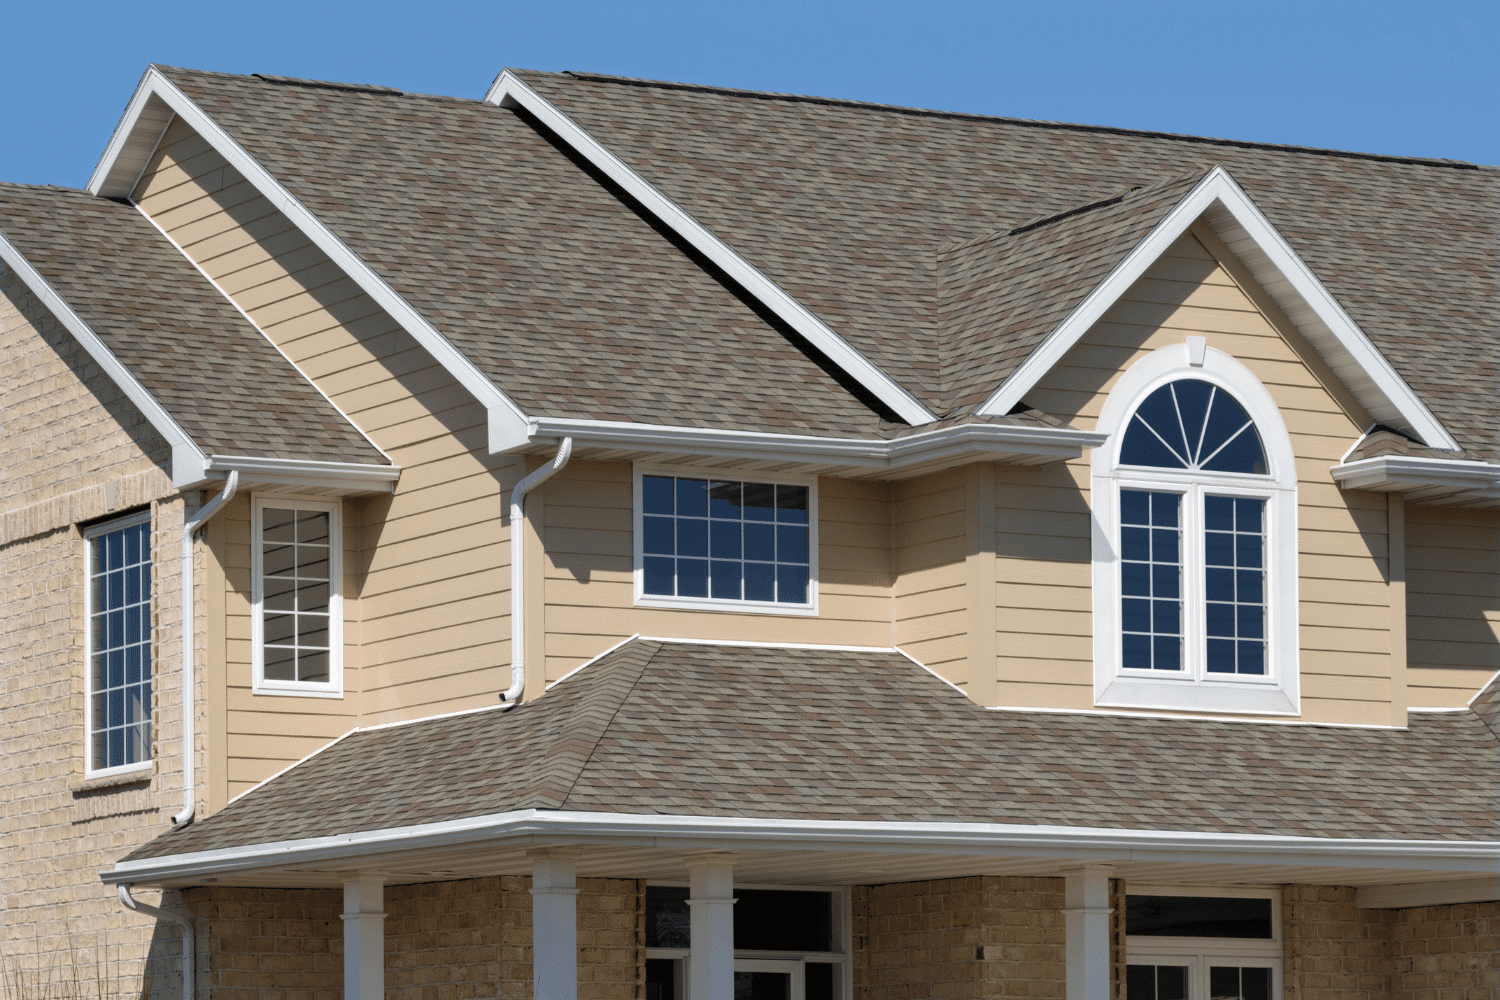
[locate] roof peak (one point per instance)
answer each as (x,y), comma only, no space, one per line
(766,95)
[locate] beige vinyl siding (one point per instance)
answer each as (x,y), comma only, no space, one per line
(427,605)
(929,529)
(588,527)
(1453,597)
(1345,600)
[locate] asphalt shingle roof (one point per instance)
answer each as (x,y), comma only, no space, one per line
(223,382)
(548,278)
(723,730)
(848,207)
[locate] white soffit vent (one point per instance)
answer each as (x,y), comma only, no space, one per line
(134,142)
(1224,206)
(510,91)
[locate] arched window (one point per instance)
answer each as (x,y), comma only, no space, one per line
(1194,548)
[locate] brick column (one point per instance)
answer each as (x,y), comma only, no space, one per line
(711,927)
(364,938)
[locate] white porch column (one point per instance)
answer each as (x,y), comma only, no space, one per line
(711,951)
(364,938)
(1087,911)
(554,925)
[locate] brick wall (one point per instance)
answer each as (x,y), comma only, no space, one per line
(1446,952)
(1334,951)
(72,449)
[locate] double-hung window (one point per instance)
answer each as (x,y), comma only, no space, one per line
(297,624)
(118,586)
(725,542)
(1194,548)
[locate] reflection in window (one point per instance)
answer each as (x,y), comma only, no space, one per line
(1156,982)
(725,539)
(1191,424)
(1228,982)
(295,591)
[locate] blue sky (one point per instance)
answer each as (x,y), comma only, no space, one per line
(1420,79)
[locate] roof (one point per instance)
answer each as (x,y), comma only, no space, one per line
(214,373)
(850,207)
(700,729)
(542,273)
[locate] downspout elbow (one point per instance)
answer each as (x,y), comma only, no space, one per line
(512,695)
(190,528)
(188,935)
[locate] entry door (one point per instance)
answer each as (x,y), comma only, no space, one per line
(767,979)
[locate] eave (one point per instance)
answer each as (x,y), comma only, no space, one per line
(1424,480)
(303,476)
(828,851)
(898,458)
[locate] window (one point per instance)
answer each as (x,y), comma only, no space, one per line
(725,543)
(789,944)
(296,567)
(1195,576)
(1202,944)
(118,640)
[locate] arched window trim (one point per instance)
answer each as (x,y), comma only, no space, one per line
(1193,689)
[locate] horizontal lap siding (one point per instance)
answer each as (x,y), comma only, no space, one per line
(588,526)
(929,523)
(427,598)
(1045,639)
(1453,602)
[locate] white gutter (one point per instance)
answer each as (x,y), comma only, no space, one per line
(1409,473)
(512,694)
(189,939)
(189,706)
(342,476)
(727,833)
(856,453)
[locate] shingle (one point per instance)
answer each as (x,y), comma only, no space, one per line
(660,727)
(223,382)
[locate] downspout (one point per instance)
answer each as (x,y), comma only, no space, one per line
(188,938)
(190,528)
(512,694)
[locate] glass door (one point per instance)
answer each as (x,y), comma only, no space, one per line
(768,979)
(1200,978)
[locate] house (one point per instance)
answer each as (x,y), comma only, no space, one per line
(959,556)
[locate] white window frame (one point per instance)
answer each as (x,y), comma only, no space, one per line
(334,686)
(1193,689)
(90,534)
(1199,953)
(645,600)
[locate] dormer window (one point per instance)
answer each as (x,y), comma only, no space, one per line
(1195,548)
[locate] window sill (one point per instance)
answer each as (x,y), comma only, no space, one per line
(135,776)
(1185,695)
(297,692)
(725,606)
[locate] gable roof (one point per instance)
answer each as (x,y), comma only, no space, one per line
(212,381)
(542,276)
(850,221)
(697,729)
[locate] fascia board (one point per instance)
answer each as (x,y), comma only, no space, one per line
(509,90)
(506,420)
(1397,473)
(1219,190)
(1403,895)
(347,477)
(132,143)
(927,446)
(722,833)
(188,460)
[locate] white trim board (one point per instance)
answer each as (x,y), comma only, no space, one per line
(1423,480)
(510,91)
(189,463)
(726,833)
(118,168)
(1402,895)
(1220,202)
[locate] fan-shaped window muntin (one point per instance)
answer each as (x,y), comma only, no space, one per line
(1193,425)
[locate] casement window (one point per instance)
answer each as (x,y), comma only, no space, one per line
(1202,944)
(724,542)
(790,943)
(1195,577)
(118,640)
(297,621)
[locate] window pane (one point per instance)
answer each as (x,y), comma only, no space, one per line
(1198,916)
(667,918)
(312,526)
(656,494)
(280,663)
(1150,580)
(791,543)
(783,920)
(1156,982)
(760,581)
(692,577)
(724,500)
(692,536)
(312,666)
(760,502)
(658,575)
(724,539)
(726,579)
(692,498)
(657,538)
(119,604)
(1234,547)
(791,584)
(791,504)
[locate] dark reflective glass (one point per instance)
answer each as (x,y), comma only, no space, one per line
(280,663)
(312,597)
(667,917)
(115,542)
(762,985)
(312,526)
(1192,405)
(726,579)
(783,920)
(656,537)
(724,539)
(132,537)
(1251,589)
(279,628)
(312,630)
(1135,507)
(1136,652)
(1171,982)
(692,536)
(1225,418)
(692,578)
(1252,659)
(133,665)
(1166,653)
(1164,581)
(312,666)
(791,504)
(760,502)
(1250,621)
(1247,550)
(791,543)
(1160,412)
(279,560)
(1135,614)
(661,979)
(817,981)
(1165,616)
(1243,454)
(1164,545)
(1135,579)
(1221,656)
(760,542)
(1218,548)
(1219,584)
(1221,620)
(692,498)
(278,525)
(1218,513)
(1140,982)
(791,584)
(1198,916)
(657,575)
(1164,509)
(1141,447)
(656,494)
(724,500)
(116,668)
(760,581)
(1248,513)
(1135,543)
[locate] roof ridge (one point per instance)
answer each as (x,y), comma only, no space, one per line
(768,95)
(583,761)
